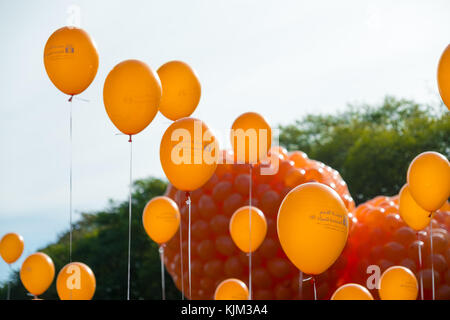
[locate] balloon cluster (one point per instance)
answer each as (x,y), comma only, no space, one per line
(217,257)
(391,234)
(132,94)
(75,281)
(71,62)
(295,220)
(382,238)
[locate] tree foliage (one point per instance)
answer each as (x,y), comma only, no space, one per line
(100,240)
(372,146)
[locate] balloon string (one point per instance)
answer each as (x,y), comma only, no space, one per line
(420,266)
(188,202)
(82,99)
(70,183)
(300,285)
(250,235)
(129,218)
(8,294)
(314,286)
(181,251)
(432,257)
(163,283)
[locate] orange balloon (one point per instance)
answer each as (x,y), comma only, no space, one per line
(279,150)
(75,281)
(131,95)
(312,227)
(352,291)
(300,159)
(443,76)
(240,228)
(11,247)
(398,283)
(71,60)
(37,273)
(161,219)
(413,214)
(251,138)
(231,289)
(188,153)
(429,180)
(294,177)
(181,90)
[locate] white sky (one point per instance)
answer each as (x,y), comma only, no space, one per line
(282,59)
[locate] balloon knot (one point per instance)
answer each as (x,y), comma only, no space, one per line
(129,140)
(70,99)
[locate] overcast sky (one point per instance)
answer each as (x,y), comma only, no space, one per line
(282,59)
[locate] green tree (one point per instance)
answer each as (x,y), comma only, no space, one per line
(100,240)
(372,146)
